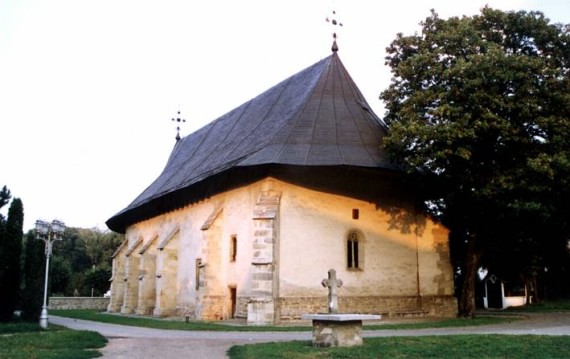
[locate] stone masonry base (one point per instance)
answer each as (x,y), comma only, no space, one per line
(338,330)
(98,303)
(292,308)
(328,333)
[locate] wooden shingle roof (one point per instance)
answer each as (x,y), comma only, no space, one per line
(317,117)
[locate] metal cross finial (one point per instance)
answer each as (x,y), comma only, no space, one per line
(178,119)
(332,19)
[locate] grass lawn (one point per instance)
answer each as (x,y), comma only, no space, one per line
(444,347)
(544,306)
(449,346)
(156,323)
(29,341)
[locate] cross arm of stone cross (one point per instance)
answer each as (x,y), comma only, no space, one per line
(332,280)
(328,283)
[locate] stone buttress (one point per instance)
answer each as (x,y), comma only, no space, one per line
(261,308)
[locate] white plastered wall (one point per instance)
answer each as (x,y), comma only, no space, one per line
(313,227)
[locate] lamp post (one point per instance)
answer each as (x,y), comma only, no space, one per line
(49,233)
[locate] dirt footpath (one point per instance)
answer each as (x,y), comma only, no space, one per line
(119,348)
(133,342)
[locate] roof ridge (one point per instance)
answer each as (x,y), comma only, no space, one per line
(324,76)
(304,120)
(360,100)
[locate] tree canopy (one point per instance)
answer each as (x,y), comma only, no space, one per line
(479,106)
(82,261)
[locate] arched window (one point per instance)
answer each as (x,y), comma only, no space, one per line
(353,251)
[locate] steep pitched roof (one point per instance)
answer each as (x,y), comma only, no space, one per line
(317,117)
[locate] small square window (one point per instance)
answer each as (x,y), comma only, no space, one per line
(355,213)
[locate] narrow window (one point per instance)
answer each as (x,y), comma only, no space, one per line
(233,248)
(352,250)
(198,269)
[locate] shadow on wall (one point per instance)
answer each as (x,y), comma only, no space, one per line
(392,192)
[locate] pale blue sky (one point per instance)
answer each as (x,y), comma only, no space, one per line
(88,88)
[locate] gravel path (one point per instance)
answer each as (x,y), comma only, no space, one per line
(134,342)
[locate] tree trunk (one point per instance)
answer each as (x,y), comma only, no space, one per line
(536,298)
(467,299)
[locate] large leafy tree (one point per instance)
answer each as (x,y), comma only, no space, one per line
(480,107)
(100,245)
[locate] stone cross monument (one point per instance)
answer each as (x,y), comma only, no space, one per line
(334,329)
(332,283)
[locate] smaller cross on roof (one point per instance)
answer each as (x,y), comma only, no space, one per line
(179,120)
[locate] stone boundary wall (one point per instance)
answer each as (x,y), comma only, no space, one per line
(292,308)
(99,303)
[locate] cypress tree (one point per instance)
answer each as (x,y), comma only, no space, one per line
(4,199)
(12,250)
(34,271)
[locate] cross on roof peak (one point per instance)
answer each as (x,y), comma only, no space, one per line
(332,19)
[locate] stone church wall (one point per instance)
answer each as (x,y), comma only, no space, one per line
(292,308)
(404,257)
(286,238)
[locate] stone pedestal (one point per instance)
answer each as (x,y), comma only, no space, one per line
(338,330)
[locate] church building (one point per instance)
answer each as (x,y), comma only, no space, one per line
(252,210)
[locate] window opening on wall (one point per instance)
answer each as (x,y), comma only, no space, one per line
(352,250)
(233,299)
(198,274)
(233,248)
(355,213)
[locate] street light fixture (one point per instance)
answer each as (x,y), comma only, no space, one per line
(49,233)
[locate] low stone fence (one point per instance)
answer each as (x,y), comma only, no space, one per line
(99,303)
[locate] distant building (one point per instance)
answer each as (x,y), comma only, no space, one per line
(500,294)
(252,210)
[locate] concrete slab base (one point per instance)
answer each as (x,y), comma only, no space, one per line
(338,330)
